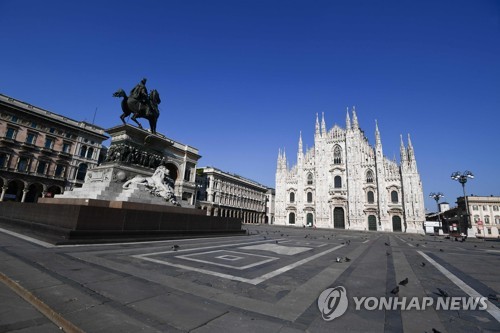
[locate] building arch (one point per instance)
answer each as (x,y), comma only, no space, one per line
(53,190)
(337,182)
(394,196)
(372,222)
(369,176)
(14,191)
(173,170)
(34,192)
(310,179)
(310,219)
(83,151)
(396,224)
(338,218)
(370,197)
(82,171)
(337,155)
(291,218)
(90,152)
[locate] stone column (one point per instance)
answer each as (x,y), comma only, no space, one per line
(4,190)
(25,191)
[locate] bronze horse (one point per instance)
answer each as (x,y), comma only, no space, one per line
(139,109)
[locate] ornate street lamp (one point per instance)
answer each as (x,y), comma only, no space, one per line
(462,179)
(437,196)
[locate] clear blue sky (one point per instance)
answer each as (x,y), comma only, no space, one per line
(240,79)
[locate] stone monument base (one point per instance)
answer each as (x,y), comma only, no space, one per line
(105,182)
(96,221)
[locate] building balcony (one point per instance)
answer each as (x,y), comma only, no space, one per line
(29,146)
(9,142)
(337,191)
(63,154)
(47,151)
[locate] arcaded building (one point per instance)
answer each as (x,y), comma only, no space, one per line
(225,194)
(343,182)
(43,153)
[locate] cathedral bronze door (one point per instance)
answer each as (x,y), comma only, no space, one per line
(396,223)
(338,218)
(372,223)
(310,219)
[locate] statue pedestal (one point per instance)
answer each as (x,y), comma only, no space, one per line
(105,183)
(102,210)
(137,152)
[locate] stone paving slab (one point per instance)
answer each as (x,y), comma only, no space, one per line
(107,288)
(20,316)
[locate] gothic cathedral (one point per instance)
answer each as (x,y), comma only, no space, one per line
(345,183)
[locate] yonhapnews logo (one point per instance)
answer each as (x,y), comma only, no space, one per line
(333,303)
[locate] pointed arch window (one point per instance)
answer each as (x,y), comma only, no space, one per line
(309,179)
(394,197)
(369,176)
(370,197)
(337,155)
(337,182)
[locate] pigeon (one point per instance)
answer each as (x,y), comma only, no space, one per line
(386,244)
(395,291)
(422,264)
(492,297)
(387,253)
(442,293)
(435,331)
(441,250)
(175,247)
(347,259)
(338,259)
(403,282)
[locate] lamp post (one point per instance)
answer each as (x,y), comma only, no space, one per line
(462,179)
(437,196)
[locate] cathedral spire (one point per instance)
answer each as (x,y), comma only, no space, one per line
(411,155)
(402,149)
(355,124)
(280,158)
(300,143)
(323,124)
(378,142)
(317,132)
(347,119)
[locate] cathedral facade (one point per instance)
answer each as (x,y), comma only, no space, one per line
(345,183)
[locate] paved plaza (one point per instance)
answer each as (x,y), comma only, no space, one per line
(266,281)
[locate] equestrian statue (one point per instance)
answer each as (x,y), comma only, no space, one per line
(140,104)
